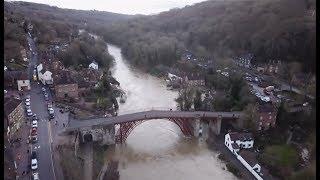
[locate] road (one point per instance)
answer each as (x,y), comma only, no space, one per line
(38,106)
(153,114)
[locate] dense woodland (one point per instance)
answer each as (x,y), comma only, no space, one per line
(270,29)
(14,41)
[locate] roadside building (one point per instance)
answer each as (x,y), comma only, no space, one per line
(65,86)
(194,80)
(94,65)
(244,60)
(236,141)
(44,74)
(16,80)
(14,114)
(267,114)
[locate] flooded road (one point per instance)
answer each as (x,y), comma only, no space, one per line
(157,149)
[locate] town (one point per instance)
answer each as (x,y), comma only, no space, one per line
(70,97)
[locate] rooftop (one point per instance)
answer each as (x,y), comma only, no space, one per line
(234,136)
(16,75)
(10,104)
(64,77)
(266,107)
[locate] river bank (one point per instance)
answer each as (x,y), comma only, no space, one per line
(216,143)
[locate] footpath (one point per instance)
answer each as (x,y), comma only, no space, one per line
(22,151)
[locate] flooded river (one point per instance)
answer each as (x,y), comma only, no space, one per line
(156,149)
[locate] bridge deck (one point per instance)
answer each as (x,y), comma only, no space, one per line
(75,124)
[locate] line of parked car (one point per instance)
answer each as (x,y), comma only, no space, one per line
(49,104)
(32,137)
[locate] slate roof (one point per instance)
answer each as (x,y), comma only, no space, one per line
(234,136)
(16,75)
(10,104)
(266,108)
(64,77)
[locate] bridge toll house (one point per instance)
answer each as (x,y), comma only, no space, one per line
(102,129)
(102,134)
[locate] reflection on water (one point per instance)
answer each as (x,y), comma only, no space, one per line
(157,149)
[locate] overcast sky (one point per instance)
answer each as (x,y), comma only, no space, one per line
(120,6)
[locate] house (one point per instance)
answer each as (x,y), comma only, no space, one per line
(94,65)
(249,160)
(16,79)
(44,75)
(236,141)
(14,114)
(65,86)
(241,144)
(267,114)
(244,60)
(261,69)
(194,80)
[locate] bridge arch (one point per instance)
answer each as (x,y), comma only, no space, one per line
(87,137)
(126,128)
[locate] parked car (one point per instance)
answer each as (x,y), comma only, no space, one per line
(27,100)
(34,131)
(35,176)
(29,112)
(51,112)
(34,124)
(28,103)
(43,89)
(49,106)
(34,161)
(34,139)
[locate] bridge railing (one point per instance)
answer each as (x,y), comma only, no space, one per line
(120,112)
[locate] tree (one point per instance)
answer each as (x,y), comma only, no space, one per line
(290,70)
(185,99)
(282,117)
(250,117)
(197,101)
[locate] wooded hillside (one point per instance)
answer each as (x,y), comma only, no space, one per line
(271,29)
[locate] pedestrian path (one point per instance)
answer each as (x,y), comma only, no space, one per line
(22,152)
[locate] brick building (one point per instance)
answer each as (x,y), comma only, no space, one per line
(267,115)
(16,80)
(65,86)
(14,115)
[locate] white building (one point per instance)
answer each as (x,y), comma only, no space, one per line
(94,65)
(44,75)
(23,84)
(236,141)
